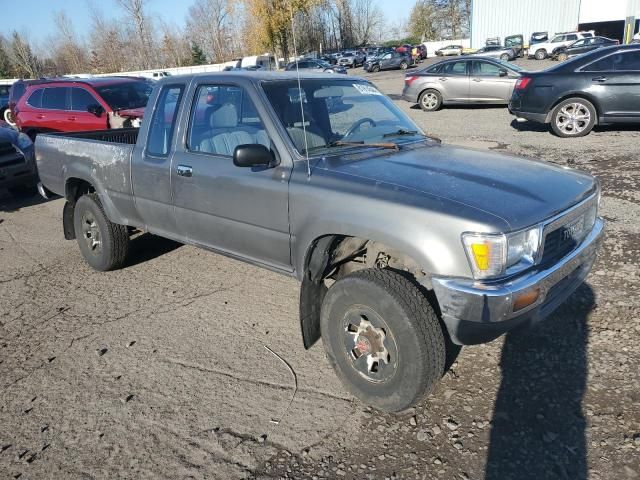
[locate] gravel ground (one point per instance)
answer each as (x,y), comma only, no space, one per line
(161,370)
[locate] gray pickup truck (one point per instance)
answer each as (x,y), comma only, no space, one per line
(403,246)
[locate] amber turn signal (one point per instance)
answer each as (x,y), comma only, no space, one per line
(525,299)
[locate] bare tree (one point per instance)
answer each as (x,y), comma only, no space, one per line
(107,44)
(368,20)
(215,25)
(25,63)
(69,55)
(143,44)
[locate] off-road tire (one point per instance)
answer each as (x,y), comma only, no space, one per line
(114,238)
(579,101)
(426,100)
(540,54)
(412,325)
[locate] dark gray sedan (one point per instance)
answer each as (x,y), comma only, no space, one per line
(312,65)
(463,80)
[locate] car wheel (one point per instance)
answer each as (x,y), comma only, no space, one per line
(403,65)
(430,100)
(376,68)
(8,117)
(383,338)
(505,57)
(562,56)
(104,244)
(574,117)
(541,54)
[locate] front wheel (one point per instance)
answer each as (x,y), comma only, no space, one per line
(376,68)
(562,56)
(403,65)
(383,338)
(104,244)
(505,57)
(541,54)
(574,117)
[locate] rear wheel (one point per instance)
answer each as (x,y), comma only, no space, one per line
(541,54)
(430,100)
(403,65)
(574,117)
(103,244)
(505,57)
(383,338)
(376,68)
(562,56)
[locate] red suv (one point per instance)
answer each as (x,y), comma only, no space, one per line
(68,105)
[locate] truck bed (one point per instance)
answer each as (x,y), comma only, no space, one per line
(101,157)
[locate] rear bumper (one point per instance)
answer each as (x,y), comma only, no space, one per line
(477,312)
(534,117)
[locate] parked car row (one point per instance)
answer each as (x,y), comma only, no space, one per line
(599,87)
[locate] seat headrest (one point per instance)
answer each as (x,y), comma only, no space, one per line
(224,117)
(293,113)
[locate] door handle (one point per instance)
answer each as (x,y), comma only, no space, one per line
(72,119)
(40,116)
(184,171)
(600,79)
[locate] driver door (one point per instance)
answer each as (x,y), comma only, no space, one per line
(240,211)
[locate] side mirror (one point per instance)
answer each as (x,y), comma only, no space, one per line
(253,155)
(96,109)
(503,72)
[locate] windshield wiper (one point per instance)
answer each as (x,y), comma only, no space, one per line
(360,143)
(401,132)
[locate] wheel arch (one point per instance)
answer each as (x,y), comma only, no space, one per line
(429,87)
(333,255)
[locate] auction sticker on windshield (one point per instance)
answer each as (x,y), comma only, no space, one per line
(366,89)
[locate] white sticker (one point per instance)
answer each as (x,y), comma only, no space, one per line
(366,89)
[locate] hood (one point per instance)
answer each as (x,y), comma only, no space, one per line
(519,191)
(132,112)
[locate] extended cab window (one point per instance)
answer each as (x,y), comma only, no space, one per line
(55,98)
(163,121)
(223,117)
(81,99)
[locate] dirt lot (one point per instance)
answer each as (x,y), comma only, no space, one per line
(161,370)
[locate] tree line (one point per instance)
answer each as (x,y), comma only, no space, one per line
(216,31)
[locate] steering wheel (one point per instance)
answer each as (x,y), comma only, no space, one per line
(356,126)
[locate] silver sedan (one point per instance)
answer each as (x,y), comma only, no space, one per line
(496,51)
(461,81)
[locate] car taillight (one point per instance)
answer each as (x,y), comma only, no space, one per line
(410,79)
(522,83)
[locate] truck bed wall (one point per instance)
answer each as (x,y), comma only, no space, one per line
(96,157)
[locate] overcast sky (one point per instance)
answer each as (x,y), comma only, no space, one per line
(34,17)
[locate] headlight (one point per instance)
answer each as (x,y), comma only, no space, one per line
(23,141)
(493,255)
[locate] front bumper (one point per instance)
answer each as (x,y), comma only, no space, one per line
(476,312)
(16,171)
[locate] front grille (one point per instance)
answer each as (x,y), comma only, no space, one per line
(566,233)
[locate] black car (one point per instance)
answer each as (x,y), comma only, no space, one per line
(599,87)
(583,45)
(388,61)
(18,172)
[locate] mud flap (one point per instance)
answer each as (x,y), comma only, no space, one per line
(67,221)
(313,290)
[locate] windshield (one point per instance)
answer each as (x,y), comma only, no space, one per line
(121,96)
(338,114)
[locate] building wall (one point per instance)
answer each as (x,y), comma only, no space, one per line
(592,11)
(501,18)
